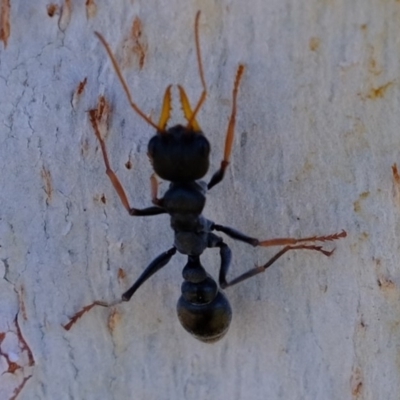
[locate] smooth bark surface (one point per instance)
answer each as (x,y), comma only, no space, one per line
(317,133)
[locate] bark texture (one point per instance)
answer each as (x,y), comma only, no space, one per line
(317,133)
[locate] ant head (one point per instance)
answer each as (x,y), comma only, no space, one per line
(179,154)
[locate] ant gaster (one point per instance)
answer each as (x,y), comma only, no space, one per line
(180,155)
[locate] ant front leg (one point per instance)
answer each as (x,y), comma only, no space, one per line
(230,133)
(114,178)
(237,235)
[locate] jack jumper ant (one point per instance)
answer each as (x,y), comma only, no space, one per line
(180,155)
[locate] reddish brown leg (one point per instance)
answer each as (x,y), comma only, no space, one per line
(154,191)
(94,117)
(110,173)
(230,133)
(237,235)
(292,241)
(259,269)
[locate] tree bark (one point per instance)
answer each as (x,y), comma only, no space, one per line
(317,133)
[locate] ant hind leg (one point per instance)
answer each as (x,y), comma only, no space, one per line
(258,269)
(289,243)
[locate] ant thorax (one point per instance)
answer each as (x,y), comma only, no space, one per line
(184,202)
(191,242)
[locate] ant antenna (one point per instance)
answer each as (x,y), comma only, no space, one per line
(201,72)
(124,84)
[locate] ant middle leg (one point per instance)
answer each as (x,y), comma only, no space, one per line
(237,235)
(159,262)
(289,243)
(226,257)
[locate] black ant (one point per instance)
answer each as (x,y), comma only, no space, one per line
(180,155)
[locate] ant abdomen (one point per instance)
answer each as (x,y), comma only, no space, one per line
(203,310)
(206,322)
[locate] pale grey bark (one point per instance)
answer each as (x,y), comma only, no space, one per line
(317,133)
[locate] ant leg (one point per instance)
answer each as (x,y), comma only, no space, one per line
(226,257)
(234,234)
(124,84)
(153,267)
(225,254)
(230,133)
(292,241)
(258,269)
(114,179)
